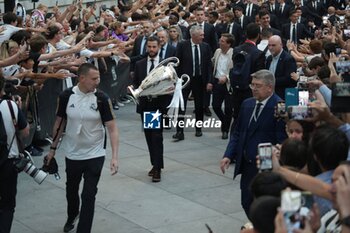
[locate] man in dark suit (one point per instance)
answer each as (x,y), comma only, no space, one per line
(166,50)
(281,64)
(140,41)
(282,13)
(210,37)
(264,17)
(256,124)
(151,105)
(251,9)
(239,94)
(195,61)
(295,31)
(233,28)
(241,19)
(314,12)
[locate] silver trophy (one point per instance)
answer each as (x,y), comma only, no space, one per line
(162,80)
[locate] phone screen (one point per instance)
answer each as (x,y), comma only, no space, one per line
(303,98)
(296,207)
(265,156)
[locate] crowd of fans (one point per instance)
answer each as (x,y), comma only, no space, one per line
(41,51)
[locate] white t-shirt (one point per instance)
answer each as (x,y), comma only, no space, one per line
(9,30)
(9,127)
(85,133)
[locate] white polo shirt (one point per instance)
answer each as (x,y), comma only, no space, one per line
(85,133)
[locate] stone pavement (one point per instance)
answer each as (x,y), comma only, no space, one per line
(193,191)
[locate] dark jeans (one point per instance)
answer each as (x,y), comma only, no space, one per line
(8,191)
(220,95)
(91,171)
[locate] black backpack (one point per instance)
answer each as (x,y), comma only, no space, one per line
(240,72)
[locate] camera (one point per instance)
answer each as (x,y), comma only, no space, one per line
(25,163)
(265,156)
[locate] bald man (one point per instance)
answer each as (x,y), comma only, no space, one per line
(281,64)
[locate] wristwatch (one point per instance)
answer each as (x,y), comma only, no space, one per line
(346,221)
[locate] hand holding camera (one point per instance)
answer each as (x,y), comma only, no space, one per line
(26,164)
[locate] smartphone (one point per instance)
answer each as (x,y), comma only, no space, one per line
(265,156)
(299,112)
(342,66)
(291,96)
(347,33)
(280,109)
(340,97)
(303,97)
(337,51)
(296,206)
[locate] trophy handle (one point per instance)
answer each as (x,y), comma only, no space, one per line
(134,94)
(187,80)
(169,59)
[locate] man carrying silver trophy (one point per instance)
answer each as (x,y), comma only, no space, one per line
(152,84)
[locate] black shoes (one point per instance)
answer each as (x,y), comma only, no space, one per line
(207,112)
(198,133)
(156,176)
(224,135)
(69,226)
(179,136)
(150,173)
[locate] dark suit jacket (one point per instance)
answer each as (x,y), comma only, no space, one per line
(184,53)
(236,31)
(161,102)
(301,32)
(315,14)
(170,51)
(246,21)
(255,11)
(283,17)
(285,66)
(220,28)
(243,142)
(210,36)
(137,46)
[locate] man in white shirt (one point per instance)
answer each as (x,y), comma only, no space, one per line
(84,111)
(222,62)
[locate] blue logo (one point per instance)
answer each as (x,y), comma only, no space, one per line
(151,120)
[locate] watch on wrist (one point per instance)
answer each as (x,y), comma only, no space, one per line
(346,221)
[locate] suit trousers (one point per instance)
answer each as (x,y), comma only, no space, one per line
(248,172)
(197,87)
(8,191)
(220,95)
(154,139)
(90,170)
